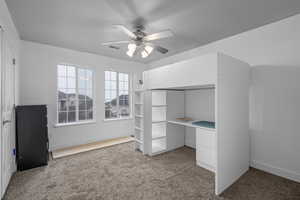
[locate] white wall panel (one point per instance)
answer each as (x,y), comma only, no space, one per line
(232,120)
(196,71)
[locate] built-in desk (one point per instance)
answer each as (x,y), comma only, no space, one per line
(189,124)
(205,144)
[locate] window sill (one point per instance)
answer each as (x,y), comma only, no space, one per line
(74,123)
(117,119)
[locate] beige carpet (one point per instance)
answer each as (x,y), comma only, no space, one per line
(120,173)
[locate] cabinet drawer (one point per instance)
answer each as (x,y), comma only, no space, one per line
(205,138)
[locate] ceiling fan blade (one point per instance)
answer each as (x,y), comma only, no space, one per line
(161,49)
(115,43)
(160,35)
(126,31)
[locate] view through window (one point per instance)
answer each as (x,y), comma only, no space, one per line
(117,95)
(75,94)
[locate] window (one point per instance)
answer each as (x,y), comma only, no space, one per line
(117,95)
(75,94)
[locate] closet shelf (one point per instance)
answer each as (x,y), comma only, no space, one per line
(159,105)
(138,104)
(158,121)
(139,141)
(157,137)
(139,116)
(138,128)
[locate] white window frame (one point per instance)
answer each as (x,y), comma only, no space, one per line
(77,121)
(117,98)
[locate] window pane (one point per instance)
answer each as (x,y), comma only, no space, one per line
(81,83)
(126,85)
(113,76)
(61,70)
(81,74)
(107,75)
(89,104)
(62,82)
(113,102)
(110,113)
(62,117)
(89,74)
(107,94)
(126,77)
(62,94)
(71,95)
(71,71)
(124,111)
(72,105)
(121,77)
(107,85)
(89,94)
(62,105)
(71,116)
(82,115)
(81,94)
(71,82)
(89,84)
(113,85)
(90,114)
(82,105)
(113,94)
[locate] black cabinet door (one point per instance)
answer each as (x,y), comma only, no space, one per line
(32,137)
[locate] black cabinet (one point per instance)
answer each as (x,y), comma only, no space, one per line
(31,136)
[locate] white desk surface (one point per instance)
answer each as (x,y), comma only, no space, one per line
(189,124)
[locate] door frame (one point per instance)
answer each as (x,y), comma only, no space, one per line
(6,46)
(1,65)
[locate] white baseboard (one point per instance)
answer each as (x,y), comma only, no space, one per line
(190,144)
(276,170)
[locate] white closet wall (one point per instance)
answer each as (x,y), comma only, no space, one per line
(233,143)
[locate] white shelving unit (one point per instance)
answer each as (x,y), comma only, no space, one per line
(159,123)
(139,120)
(159,146)
(159,130)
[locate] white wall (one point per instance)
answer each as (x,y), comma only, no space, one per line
(199,105)
(11,38)
(273,52)
(38,86)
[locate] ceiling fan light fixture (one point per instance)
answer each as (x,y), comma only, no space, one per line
(130,53)
(149,49)
(131,49)
(131,46)
(144,54)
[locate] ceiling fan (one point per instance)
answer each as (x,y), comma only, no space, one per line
(139,41)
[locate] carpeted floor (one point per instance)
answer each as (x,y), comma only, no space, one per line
(120,173)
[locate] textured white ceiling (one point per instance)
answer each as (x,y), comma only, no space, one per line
(84,24)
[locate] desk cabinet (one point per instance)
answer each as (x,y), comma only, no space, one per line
(205,149)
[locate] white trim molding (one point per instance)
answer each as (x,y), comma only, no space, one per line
(276,170)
